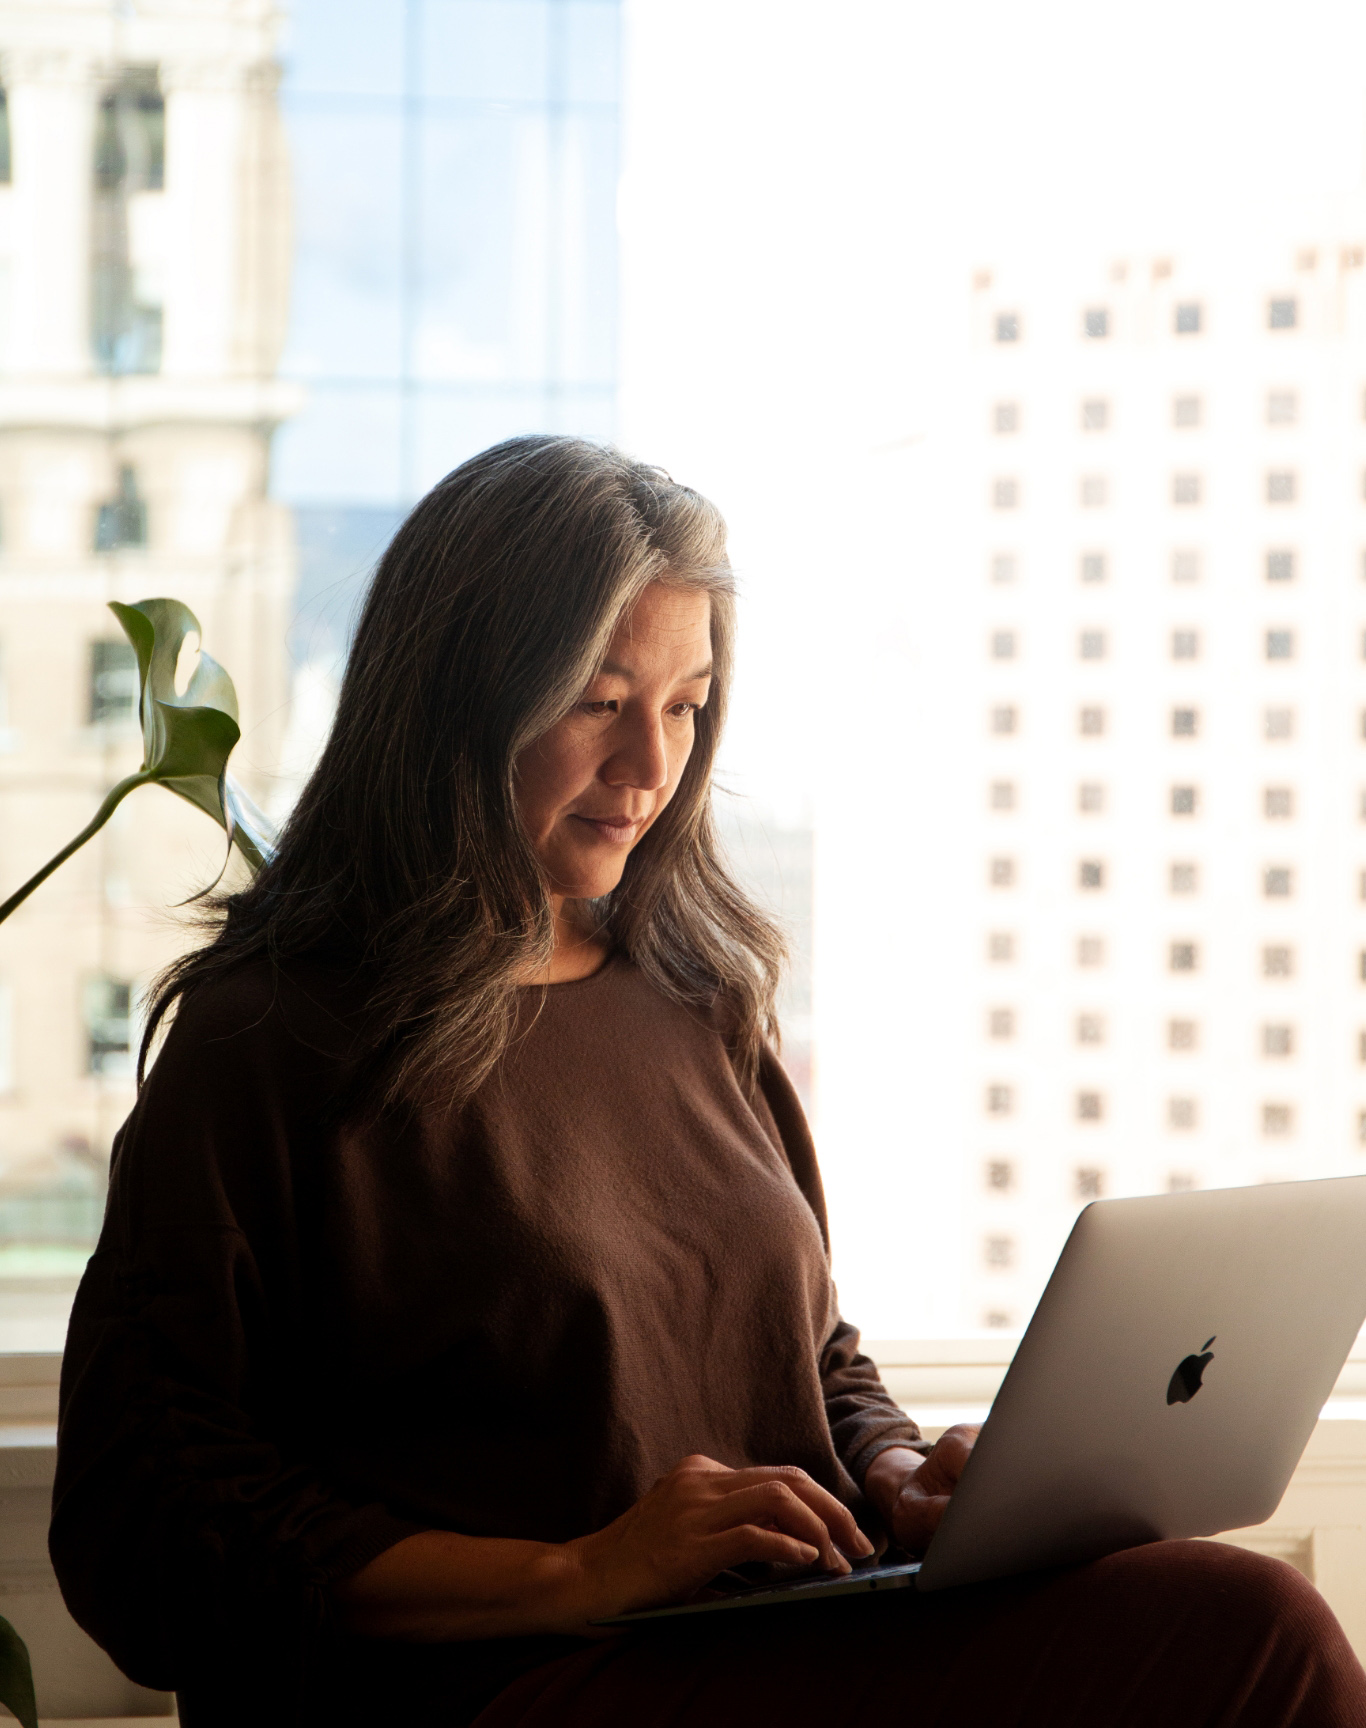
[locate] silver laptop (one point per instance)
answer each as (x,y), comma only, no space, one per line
(1167,1385)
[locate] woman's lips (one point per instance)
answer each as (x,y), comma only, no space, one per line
(617,830)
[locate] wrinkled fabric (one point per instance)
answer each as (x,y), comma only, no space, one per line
(309,1331)
(1175,1635)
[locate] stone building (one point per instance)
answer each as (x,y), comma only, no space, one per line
(144,254)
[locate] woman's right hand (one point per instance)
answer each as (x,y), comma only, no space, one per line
(701,1519)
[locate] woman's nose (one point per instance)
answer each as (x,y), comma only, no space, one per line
(640,759)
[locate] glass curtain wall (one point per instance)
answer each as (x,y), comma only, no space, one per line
(455,273)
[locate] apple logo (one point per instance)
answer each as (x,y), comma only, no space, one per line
(1185,1383)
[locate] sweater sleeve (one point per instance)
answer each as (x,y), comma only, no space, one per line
(184,1521)
(864,1418)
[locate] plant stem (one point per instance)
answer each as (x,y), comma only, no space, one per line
(112,801)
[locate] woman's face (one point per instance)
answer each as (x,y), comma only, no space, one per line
(592,785)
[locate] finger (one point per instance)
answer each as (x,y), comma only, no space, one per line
(746,1544)
(951,1452)
(774,1503)
(833,1513)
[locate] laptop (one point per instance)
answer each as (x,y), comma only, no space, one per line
(1167,1386)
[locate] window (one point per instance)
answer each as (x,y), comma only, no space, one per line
(1003,644)
(1003,567)
(1280,486)
(1005,493)
(1184,800)
(1090,950)
(1185,645)
(122,522)
(113,690)
(1186,411)
(1090,798)
(1002,795)
(1090,1028)
(1001,872)
(1280,644)
(1278,1040)
(1282,408)
(1278,962)
(1096,321)
(1185,722)
(1278,1120)
(1278,882)
(1095,491)
(999,1252)
(1184,957)
(126,314)
(1006,417)
(1090,1182)
(1091,645)
(1001,1023)
(1189,318)
(1278,723)
(1090,1107)
(1095,414)
(108,1008)
(1093,566)
(1183,1035)
(1003,721)
(1184,879)
(1185,488)
(1090,873)
(1000,947)
(1282,315)
(1091,722)
(1280,566)
(1183,1113)
(1000,1101)
(1278,802)
(1007,326)
(1000,1175)
(1185,566)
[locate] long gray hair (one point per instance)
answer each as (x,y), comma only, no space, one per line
(405,858)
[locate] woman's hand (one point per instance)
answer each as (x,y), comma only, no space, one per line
(701,1519)
(911,1492)
(697,1521)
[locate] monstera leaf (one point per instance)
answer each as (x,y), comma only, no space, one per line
(186,739)
(16,1677)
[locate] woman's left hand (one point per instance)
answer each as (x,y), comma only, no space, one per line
(912,1492)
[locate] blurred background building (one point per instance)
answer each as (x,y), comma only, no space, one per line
(144,260)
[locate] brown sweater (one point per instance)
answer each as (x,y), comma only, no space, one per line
(306,1334)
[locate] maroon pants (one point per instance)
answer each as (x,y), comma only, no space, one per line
(1176,1635)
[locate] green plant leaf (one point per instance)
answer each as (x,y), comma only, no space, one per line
(187,738)
(16,1676)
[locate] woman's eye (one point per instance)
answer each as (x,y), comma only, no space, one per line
(598,707)
(681,709)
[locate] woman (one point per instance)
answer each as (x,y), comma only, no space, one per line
(464,1279)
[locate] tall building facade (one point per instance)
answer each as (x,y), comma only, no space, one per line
(457,165)
(144,256)
(1163,912)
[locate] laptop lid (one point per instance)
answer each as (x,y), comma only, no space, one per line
(1169,1380)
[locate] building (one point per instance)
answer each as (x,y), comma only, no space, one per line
(144,254)
(1165,917)
(457,283)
